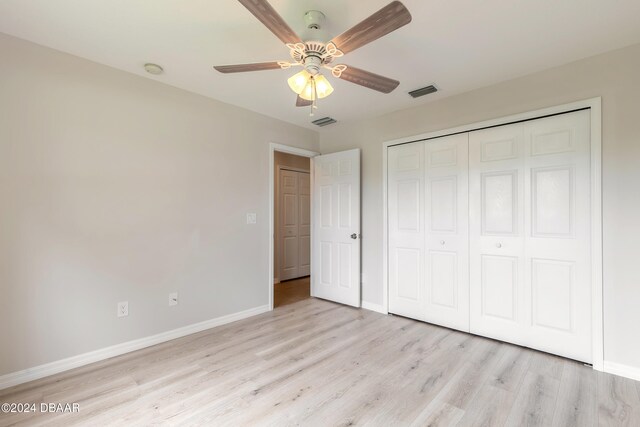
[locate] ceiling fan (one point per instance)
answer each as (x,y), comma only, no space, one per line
(309,84)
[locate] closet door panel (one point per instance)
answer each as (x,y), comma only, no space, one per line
(529,234)
(446,232)
(498,306)
(405,193)
(558,242)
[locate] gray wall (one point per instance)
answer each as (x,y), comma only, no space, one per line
(615,77)
(115,187)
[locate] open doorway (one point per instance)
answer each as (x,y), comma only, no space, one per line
(292,228)
(335,235)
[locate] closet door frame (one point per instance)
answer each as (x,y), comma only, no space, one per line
(594,105)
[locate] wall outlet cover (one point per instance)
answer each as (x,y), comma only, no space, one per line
(173,299)
(252,218)
(123,308)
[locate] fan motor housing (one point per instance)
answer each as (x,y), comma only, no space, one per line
(312,64)
(313,57)
(314,19)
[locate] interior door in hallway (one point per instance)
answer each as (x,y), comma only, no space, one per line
(295,224)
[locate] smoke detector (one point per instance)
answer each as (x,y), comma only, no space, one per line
(154,69)
(314,19)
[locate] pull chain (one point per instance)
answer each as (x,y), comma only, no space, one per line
(314,96)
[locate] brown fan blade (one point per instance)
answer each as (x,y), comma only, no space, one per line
(266,14)
(242,68)
(369,80)
(388,19)
(301,102)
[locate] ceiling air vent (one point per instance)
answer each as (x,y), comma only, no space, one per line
(424,91)
(324,121)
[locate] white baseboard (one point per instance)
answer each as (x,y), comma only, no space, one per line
(622,370)
(37,372)
(374,307)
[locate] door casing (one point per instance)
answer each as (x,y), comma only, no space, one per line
(273,147)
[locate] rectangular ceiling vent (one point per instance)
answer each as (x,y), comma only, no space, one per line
(424,91)
(324,121)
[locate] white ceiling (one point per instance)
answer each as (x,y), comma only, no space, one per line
(458,45)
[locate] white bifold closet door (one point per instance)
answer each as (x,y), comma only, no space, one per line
(428,231)
(489,232)
(530,234)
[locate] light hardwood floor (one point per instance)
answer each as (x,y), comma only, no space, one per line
(322,364)
(291,291)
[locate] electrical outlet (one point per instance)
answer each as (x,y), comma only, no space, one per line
(173,299)
(252,218)
(123,308)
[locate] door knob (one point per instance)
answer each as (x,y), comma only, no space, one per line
(354,236)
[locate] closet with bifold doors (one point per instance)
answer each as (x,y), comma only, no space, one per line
(489,232)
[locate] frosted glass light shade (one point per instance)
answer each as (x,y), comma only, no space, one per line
(323,88)
(298,81)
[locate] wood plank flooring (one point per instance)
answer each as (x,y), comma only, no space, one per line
(291,291)
(316,363)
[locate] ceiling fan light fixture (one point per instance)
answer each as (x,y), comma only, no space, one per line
(299,81)
(313,55)
(323,87)
(317,87)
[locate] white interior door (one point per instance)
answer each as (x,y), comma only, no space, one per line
(529,227)
(336,219)
(295,224)
(428,231)
(289,224)
(304,224)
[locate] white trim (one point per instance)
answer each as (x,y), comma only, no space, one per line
(37,372)
(385,231)
(622,370)
(593,103)
(597,285)
(374,307)
(595,106)
(273,147)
